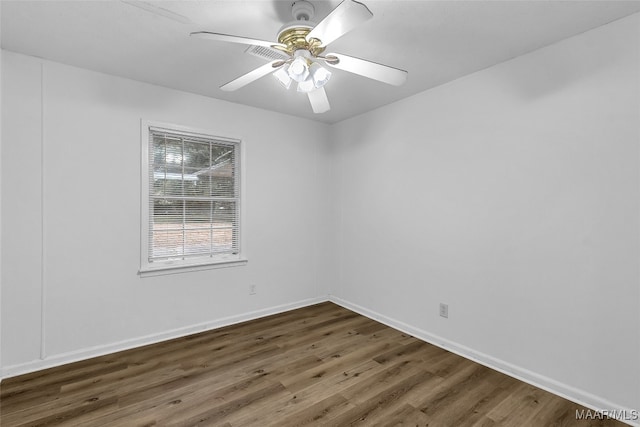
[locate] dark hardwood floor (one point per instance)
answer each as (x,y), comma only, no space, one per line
(320,365)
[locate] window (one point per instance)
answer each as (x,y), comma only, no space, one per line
(191,199)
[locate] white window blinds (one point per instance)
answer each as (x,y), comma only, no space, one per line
(193,197)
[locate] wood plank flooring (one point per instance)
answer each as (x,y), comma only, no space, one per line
(320,365)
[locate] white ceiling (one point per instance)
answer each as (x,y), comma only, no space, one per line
(435,41)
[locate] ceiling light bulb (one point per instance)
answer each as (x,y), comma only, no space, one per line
(299,69)
(282,76)
(306,85)
(319,74)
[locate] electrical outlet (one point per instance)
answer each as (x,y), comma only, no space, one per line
(444,310)
(252,290)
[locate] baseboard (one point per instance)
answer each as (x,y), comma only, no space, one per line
(596,403)
(101,350)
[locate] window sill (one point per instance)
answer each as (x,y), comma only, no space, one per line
(176,269)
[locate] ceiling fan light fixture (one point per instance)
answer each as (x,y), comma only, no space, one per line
(319,74)
(306,86)
(299,69)
(282,76)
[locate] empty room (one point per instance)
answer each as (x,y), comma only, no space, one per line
(286,213)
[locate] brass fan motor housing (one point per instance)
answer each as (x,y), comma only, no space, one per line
(295,38)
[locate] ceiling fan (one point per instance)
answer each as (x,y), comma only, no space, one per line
(300,50)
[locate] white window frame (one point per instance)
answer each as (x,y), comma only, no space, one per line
(189,264)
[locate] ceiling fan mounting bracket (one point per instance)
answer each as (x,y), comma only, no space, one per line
(294,38)
(302,10)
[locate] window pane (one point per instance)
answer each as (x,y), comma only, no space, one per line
(172,151)
(223,240)
(224,213)
(167,211)
(167,166)
(221,173)
(197,241)
(158,151)
(224,227)
(168,181)
(220,153)
(195,184)
(166,242)
(198,213)
(197,155)
(223,186)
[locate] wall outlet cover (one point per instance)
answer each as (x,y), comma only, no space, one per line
(444,310)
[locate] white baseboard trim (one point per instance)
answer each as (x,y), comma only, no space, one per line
(101,350)
(576,395)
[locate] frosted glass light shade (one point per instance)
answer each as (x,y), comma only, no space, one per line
(282,76)
(299,69)
(319,74)
(306,86)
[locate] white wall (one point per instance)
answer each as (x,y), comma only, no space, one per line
(71,216)
(511,195)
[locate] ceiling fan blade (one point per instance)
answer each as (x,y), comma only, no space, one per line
(372,70)
(319,101)
(157,10)
(252,76)
(236,39)
(344,18)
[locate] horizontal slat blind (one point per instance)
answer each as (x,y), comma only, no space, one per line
(194,196)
